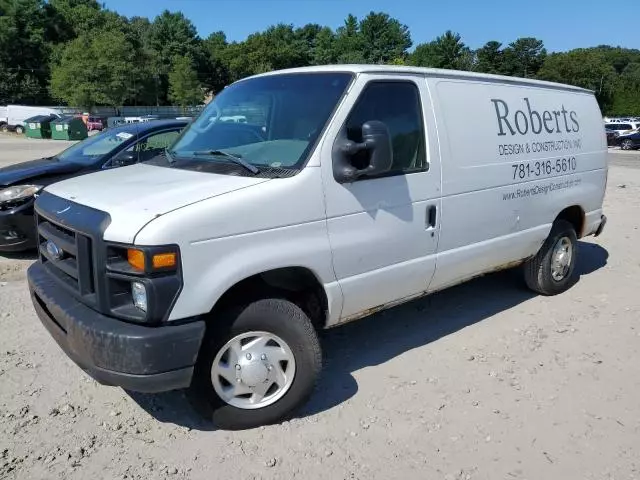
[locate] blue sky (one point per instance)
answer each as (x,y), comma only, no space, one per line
(562,24)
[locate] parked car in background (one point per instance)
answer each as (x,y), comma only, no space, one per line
(630,141)
(117,147)
(622,128)
(96,123)
(612,136)
(3,117)
(233,119)
(149,118)
(140,119)
(17,114)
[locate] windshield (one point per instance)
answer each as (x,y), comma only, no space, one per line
(271,121)
(94,148)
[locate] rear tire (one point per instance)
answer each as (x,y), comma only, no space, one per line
(19,130)
(551,270)
(269,318)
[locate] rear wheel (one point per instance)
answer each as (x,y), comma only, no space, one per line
(257,365)
(19,129)
(627,144)
(551,270)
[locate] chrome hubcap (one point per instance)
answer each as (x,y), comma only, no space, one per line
(253,370)
(561,258)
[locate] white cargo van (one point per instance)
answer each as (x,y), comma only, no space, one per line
(17,114)
(3,118)
(350,189)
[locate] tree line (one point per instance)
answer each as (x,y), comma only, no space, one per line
(79,53)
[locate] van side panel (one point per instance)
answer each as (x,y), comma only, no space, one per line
(513,157)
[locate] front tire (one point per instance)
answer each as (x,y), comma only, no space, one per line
(551,270)
(627,145)
(258,363)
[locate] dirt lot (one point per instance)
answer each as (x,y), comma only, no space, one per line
(16,148)
(483,381)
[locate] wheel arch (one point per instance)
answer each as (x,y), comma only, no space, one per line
(298,284)
(575,215)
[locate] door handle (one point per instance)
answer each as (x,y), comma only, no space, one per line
(432,216)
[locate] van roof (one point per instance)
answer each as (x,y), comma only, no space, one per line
(427,72)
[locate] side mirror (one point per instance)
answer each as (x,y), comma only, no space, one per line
(124,159)
(376,147)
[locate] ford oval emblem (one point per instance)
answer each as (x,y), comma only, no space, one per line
(54,250)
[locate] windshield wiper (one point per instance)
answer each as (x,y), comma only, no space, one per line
(234,158)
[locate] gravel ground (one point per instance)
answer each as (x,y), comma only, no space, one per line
(623,158)
(16,148)
(482,381)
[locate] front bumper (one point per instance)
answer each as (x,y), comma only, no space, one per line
(134,357)
(18,229)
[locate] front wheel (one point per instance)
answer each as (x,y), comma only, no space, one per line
(627,145)
(257,365)
(551,270)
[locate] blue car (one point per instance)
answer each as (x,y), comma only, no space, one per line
(630,141)
(115,147)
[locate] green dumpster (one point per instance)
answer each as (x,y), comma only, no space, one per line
(38,126)
(68,128)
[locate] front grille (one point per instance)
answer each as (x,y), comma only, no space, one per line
(67,255)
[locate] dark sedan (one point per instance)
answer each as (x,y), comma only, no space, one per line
(630,141)
(116,147)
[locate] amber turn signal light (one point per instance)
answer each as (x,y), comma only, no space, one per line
(136,258)
(164,260)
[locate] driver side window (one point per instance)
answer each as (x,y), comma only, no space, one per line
(397,105)
(155,144)
(145,149)
(128,156)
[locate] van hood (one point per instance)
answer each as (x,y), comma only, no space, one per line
(135,195)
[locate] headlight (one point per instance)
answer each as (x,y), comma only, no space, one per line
(19,192)
(139,295)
